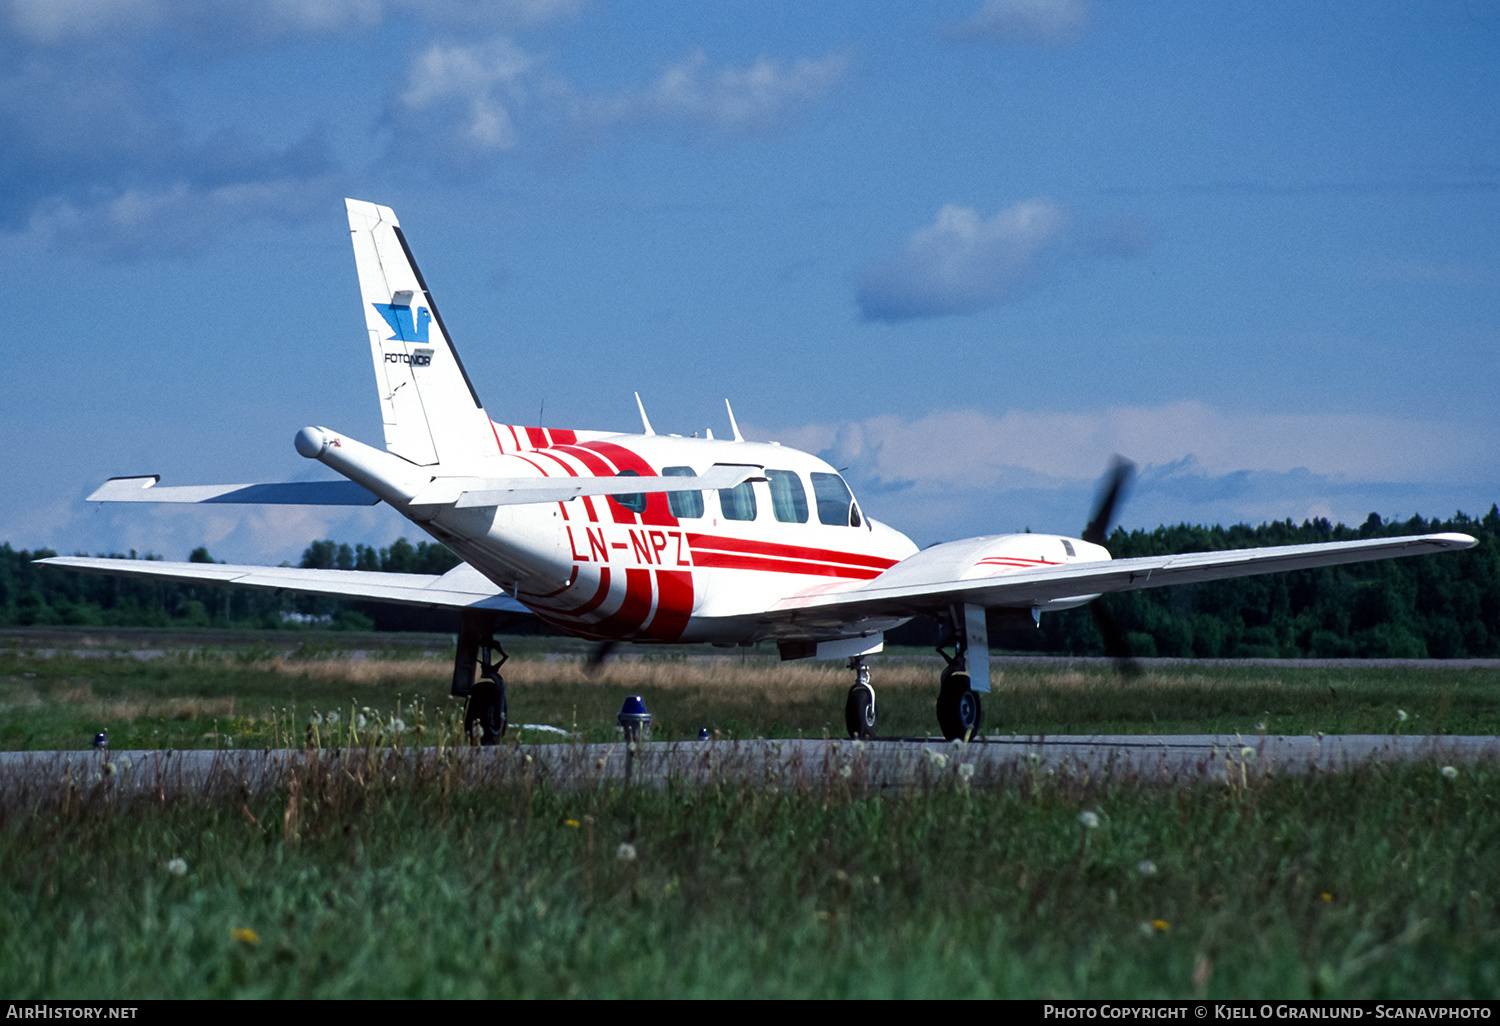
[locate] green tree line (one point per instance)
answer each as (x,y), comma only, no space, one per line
(1444,606)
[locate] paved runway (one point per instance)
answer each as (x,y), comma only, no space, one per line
(1177,759)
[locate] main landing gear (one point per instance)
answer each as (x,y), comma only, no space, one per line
(485,714)
(485,711)
(860,714)
(960,713)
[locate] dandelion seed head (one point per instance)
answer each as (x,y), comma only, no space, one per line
(1090,820)
(966,770)
(1146,867)
(398,725)
(360,721)
(333,718)
(846,772)
(177,867)
(1401,715)
(1247,753)
(1449,772)
(625,852)
(315,720)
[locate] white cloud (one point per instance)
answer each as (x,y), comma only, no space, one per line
(970,448)
(464,104)
(695,94)
(1042,22)
(469,90)
(53,22)
(964,472)
(962,262)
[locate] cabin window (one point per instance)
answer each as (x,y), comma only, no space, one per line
(788,497)
(634,501)
(737,503)
(683,504)
(1068,547)
(835,501)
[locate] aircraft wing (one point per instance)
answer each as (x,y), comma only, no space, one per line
(463,587)
(933,579)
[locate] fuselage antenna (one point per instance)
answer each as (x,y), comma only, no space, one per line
(732,425)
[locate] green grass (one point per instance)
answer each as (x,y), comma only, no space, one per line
(422,879)
(199,692)
(1373,883)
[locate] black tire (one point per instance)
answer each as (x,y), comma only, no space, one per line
(486,707)
(860,715)
(959,711)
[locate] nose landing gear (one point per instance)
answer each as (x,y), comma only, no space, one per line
(860,714)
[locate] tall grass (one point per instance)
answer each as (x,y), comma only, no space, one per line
(448,876)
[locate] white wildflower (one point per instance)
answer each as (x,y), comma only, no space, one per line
(1400,715)
(1090,820)
(1146,867)
(1247,753)
(846,771)
(625,852)
(966,771)
(1449,772)
(177,867)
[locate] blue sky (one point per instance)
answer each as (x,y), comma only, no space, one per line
(966,249)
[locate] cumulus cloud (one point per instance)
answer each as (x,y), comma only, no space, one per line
(962,262)
(1038,22)
(465,103)
(53,22)
(968,472)
(697,95)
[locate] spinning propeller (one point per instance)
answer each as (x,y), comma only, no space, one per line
(1112,490)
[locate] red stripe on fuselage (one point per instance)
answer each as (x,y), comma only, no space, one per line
(784,551)
(735,561)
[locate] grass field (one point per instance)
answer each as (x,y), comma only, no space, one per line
(202,691)
(1378,882)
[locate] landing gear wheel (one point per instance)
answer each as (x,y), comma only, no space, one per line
(959,712)
(486,709)
(860,715)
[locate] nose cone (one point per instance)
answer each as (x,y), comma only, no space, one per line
(311,442)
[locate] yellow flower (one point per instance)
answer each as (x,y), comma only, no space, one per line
(245,935)
(1327,897)
(1160,925)
(571,822)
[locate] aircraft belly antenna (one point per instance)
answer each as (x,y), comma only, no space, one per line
(732,425)
(645,423)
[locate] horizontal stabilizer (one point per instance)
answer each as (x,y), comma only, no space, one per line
(466,492)
(463,587)
(292,493)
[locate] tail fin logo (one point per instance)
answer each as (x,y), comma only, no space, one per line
(400,320)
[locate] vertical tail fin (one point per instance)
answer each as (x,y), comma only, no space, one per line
(431,412)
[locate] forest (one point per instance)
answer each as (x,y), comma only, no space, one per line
(1444,607)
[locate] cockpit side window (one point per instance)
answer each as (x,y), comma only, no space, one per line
(835,501)
(687,505)
(788,497)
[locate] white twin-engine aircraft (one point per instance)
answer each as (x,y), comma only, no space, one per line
(660,538)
